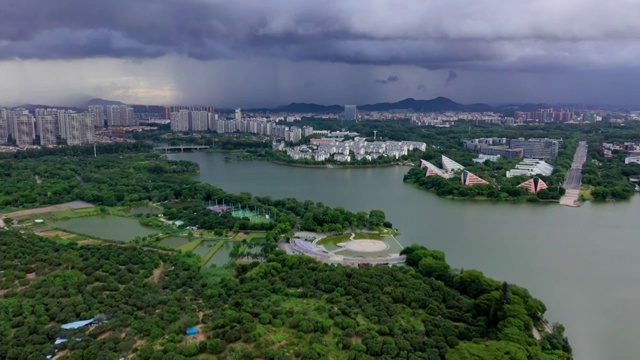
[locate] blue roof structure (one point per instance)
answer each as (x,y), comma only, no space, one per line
(77,324)
(192,331)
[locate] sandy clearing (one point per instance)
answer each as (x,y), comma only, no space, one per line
(74,205)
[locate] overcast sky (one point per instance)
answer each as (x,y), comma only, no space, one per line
(271,52)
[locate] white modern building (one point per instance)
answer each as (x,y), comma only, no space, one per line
(531,167)
(450,166)
(483,157)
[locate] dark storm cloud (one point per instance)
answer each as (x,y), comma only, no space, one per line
(451,76)
(436,34)
(390,79)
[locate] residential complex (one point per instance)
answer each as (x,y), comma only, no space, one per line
(80,128)
(358,149)
(47,128)
(120,115)
(98,111)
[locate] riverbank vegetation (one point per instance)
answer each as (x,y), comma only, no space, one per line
(123,179)
(288,307)
(609,177)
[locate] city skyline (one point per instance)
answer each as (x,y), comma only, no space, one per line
(252,54)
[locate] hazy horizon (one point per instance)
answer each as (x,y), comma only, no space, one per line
(256,54)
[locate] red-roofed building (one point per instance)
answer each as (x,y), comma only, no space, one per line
(469,179)
(534,185)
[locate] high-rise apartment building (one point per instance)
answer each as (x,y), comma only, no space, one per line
(307,131)
(98,111)
(80,128)
(350,112)
(238,114)
(22,127)
(199,121)
(180,120)
(47,129)
(4,127)
(120,115)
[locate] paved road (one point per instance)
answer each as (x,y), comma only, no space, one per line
(573,181)
(574,175)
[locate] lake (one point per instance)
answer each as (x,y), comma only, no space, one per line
(581,262)
(106,227)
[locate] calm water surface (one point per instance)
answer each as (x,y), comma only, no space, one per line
(583,263)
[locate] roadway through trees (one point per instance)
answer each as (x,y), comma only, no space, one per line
(573,180)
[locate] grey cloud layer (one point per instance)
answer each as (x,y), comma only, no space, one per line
(435,34)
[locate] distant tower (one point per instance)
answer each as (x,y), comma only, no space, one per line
(375,132)
(238,114)
(350,112)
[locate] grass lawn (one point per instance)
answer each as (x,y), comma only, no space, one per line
(371,236)
(334,239)
(585,193)
(71,214)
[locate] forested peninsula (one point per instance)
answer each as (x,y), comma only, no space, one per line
(142,300)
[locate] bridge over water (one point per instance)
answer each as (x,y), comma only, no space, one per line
(181,148)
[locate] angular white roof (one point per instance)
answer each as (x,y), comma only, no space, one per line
(428,165)
(450,165)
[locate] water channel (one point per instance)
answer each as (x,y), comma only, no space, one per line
(581,262)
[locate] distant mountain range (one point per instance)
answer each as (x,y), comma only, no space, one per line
(433,105)
(103,102)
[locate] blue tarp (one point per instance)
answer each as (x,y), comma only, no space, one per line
(192,331)
(77,324)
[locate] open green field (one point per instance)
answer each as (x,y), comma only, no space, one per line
(253,217)
(72,214)
(256,236)
(372,236)
(331,242)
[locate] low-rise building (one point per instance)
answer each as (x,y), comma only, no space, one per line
(482,158)
(342,157)
(531,167)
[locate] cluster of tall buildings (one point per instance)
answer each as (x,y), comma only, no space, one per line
(546,115)
(200,120)
(115,115)
(46,127)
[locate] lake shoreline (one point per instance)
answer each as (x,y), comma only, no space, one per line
(335,166)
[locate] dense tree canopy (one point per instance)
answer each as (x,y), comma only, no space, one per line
(289,307)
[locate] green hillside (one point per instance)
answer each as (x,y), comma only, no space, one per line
(289,307)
